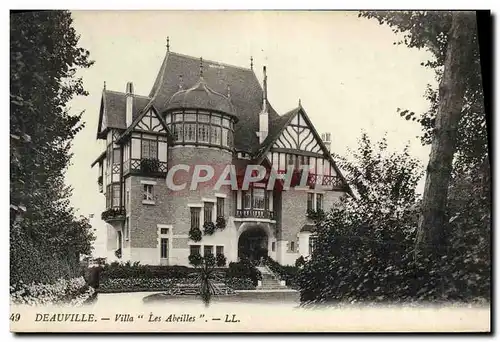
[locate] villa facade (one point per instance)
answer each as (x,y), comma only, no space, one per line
(208,113)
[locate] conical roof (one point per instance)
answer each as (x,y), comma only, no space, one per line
(201,96)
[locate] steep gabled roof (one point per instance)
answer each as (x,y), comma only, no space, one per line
(113,103)
(246,91)
(277,128)
(139,117)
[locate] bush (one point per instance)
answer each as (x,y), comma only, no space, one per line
(195,234)
(195,259)
(136,284)
(208,228)
(315,215)
(150,165)
(221,260)
(112,213)
(244,269)
(135,270)
(240,283)
(74,292)
(220,223)
(300,262)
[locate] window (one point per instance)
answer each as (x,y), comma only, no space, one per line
(312,244)
(220,206)
(203,133)
(220,250)
(127,199)
(310,201)
(259,198)
(319,201)
(190,132)
(148,192)
(216,136)
(273,246)
(126,228)
(292,246)
(207,212)
(149,149)
(195,217)
(214,129)
(208,250)
(116,195)
(291,161)
(119,239)
(247,199)
(194,249)
(163,248)
(164,231)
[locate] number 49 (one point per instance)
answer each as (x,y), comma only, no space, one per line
(15,317)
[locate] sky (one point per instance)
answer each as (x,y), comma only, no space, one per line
(346,71)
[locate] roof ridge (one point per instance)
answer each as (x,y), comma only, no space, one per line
(121,92)
(211,61)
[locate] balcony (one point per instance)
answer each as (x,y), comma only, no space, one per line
(113,215)
(146,166)
(255,213)
(333,182)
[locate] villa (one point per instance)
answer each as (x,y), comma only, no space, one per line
(201,112)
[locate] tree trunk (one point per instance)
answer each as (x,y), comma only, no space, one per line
(431,229)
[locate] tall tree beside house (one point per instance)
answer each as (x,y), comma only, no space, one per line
(455,124)
(44,233)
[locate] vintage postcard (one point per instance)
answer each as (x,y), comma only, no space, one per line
(249,171)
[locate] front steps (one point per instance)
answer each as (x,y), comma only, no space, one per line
(269,280)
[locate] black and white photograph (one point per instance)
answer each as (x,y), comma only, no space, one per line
(250,171)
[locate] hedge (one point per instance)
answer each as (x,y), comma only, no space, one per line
(244,269)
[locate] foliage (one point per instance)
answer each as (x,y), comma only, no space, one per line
(135,284)
(315,215)
(244,269)
(209,228)
(44,56)
(364,249)
(195,259)
(195,234)
(240,283)
(300,262)
(112,213)
(220,223)
(430,30)
(220,260)
(118,253)
(150,165)
(73,291)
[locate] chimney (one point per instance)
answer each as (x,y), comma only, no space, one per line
(327,140)
(129,103)
(264,115)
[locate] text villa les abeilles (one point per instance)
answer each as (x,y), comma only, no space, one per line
(90,318)
(176,179)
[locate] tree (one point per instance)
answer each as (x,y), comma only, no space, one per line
(455,121)
(44,59)
(363,244)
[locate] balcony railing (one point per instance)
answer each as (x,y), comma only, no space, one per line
(255,213)
(325,180)
(113,214)
(313,179)
(145,166)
